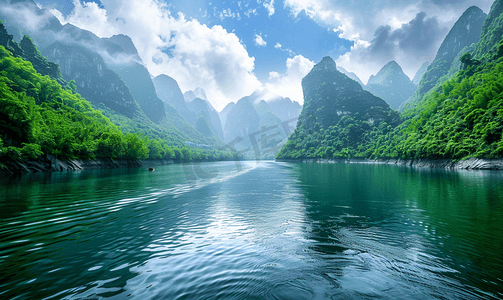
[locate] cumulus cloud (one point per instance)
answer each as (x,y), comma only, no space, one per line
(364,22)
(194,54)
(269,5)
(413,43)
(289,84)
(277,46)
(259,41)
(87,15)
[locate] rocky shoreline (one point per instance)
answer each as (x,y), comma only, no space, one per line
(468,164)
(50,164)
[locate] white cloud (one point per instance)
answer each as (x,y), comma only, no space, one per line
(192,53)
(358,20)
(87,15)
(259,41)
(269,5)
(290,83)
(277,46)
(250,12)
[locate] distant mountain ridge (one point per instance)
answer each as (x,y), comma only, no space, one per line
(108,72)
(350,75)
(391,84)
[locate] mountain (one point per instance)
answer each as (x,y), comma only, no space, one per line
(338,118)
(137,78)
(284,108)
(205,110)
(350,75)
(128,99)
(95,81)
(39,118)
(129,51)
(28,51)
(492,30)
(197,93)
(391,84)
(420,73)
(168,90)
(242,119)
(197,101)
(464,33)
(24,17)
(253,127)
(464,117)
(224,113)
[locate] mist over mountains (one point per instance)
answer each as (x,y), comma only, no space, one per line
(340,115)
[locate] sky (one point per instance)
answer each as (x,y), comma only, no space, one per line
(231,48)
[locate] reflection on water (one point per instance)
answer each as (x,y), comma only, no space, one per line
(266,231)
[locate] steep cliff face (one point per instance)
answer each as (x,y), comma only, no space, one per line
(203,108)
(391,84)
(20,16)
(27,50)
(242,119)
(224,113)
(168,91)
(465,32)
(95,81)
(137,78)
(492,30)
(329,95)
(420,73)
(338,117)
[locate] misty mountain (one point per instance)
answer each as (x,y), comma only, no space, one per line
(464,33)
(127,99)
(338,116)
(391,84)
(203,108)
(33,21)
(28,51)
(138,80)
(168,90)
(95,81)
(463,118)
(242,119)
(350,75)
(253,124)
(225,112)
(197,93)
(420,73)
(284,108)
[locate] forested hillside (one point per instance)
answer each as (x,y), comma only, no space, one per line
(39,117)
(456,118)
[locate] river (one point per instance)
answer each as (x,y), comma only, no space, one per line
(253,230)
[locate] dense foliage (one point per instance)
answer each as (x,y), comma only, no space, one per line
(38,117)
(339,118)
(457,118)
(465,32)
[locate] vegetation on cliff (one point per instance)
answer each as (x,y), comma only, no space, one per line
(38,117)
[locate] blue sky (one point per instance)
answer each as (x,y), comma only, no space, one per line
(231,48)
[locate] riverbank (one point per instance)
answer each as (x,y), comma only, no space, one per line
(50,163)
(468,164)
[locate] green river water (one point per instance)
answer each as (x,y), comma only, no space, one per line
(251,230)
